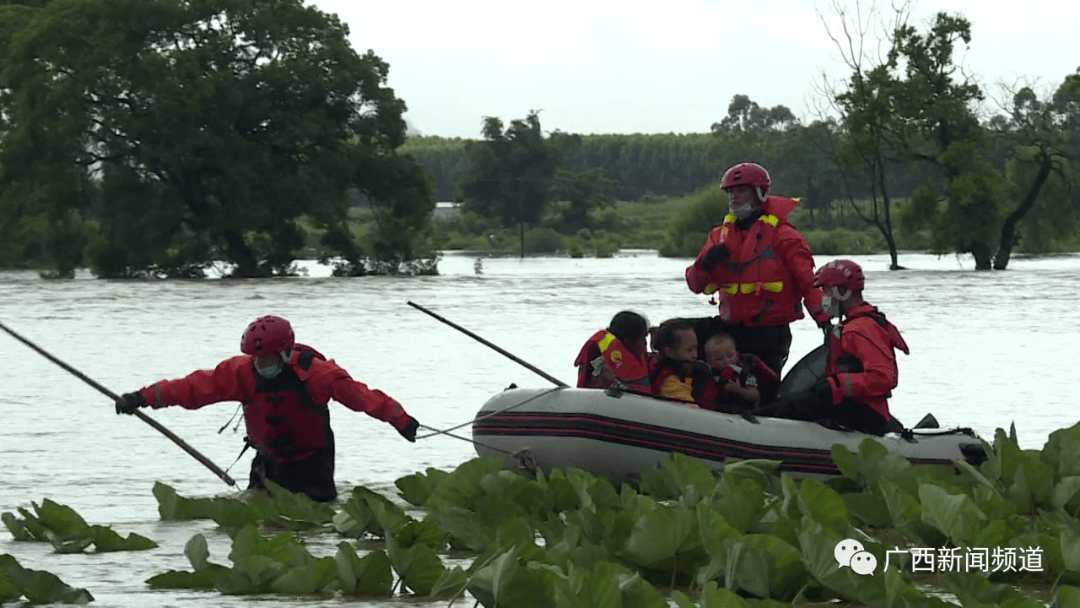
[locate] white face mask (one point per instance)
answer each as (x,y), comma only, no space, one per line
(831,299)
(272,371)
(741,213)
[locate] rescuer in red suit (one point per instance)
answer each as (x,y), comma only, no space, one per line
(860,372)
(760,269)
(285,389)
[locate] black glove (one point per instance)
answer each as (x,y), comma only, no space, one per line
(409,431)
(129,402)
(715,255)
(822,389)
(827,329)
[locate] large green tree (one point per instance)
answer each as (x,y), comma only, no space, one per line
(195,130)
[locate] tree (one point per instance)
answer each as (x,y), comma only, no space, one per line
(937,124)
(1040,130)
(194,130)
(867,148)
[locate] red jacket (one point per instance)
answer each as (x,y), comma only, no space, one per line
(769,272)
(234,379)
(862,361)
(703,389)
(632,370)
(749,371)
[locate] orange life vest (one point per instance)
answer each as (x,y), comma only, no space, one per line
(631,370)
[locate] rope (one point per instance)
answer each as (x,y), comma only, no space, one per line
(488,415)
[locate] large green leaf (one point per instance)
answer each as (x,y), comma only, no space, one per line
(38,586)
(291,510)
(367,576)
(418,566)
(818,548)
(1066,597)
(106,539)
(1066,494)
(676,472)
(506,582)
(742,502)
(659,535)
(955,515)
(462,486)
(974,589)
(765,566)
(417,488)
(308,578)
(822,504)
(873,461)
(1060,451)
(868,508)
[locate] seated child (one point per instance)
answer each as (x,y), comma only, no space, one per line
(738,376)
(616,357)
(677,373)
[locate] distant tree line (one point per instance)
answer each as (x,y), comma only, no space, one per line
(904,126)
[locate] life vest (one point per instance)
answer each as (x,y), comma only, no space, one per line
(753,286)
(703,389)
(631,370)
(841,363)
(281,418)
(750,370)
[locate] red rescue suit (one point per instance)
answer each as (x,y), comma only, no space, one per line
(286,416)
(703,389)
(769,272)
(630,369)
(862,359)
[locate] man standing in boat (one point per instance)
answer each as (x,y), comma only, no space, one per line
(860,372)
(760,269)
(285,389)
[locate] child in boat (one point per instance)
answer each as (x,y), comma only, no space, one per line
(677,372)
(737,375)
(616,357)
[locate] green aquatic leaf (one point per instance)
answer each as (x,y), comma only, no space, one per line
(106,540)
(27,529)
(974,589)
(62,520)
(364,576)
(200,580)
(416,489)
(675,473)
(309,578)
(197,552)
(9,592)
(451,583)
(386,516)
(712,596)
(355,518)
(582,588)
(742,501)
(716,536)
(954,515)
(425,531)
(524,493)
(871,509)
(661,534)
(822,504)
(764,566)
(74,545)
(291,510)
(1070,549)
(506,582)
(228,513)
(559,491)
(1065,495)
(903,508)
(39,586)
(872,462)
(1060,451)
(418,566)
(817,546)
(1066,597)
(462,486)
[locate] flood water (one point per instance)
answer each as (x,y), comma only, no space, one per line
(987,350)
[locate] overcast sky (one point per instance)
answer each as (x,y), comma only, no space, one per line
(657,66)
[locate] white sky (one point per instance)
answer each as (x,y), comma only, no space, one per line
(657,66)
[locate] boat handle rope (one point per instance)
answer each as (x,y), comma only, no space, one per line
(487,415)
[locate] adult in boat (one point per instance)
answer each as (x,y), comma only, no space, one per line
(760,269)
(860,371)
(616,357)
(285,389)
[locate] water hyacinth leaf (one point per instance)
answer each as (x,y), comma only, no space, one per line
(868,508)
(818,547)
(1070,549)
(903,508)
(561,494)
(973,589)
(61,519)
(764,472)
(635,590)
(1061,449)
(291,510)
(27,529)
(504,581)
(676,472)
(583,588)
(172,506)
(259,570)
(955,515)
(387,516)
(197,552)
(742,503)
(364,576)
(200,580)
(106,540)
(416,489)
(355,518)
(1066,597)
(451,583)
(425,531)
(39,586)
(765,566)
(466,528)
(308,578)
(517,489)
(659,535)
(462,486)
(418,566)
(1063,496)
(819,502)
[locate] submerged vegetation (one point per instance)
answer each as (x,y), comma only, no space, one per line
(748,536)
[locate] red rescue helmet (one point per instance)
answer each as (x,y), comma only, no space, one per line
(747,174)
(267,335)
(840,273)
